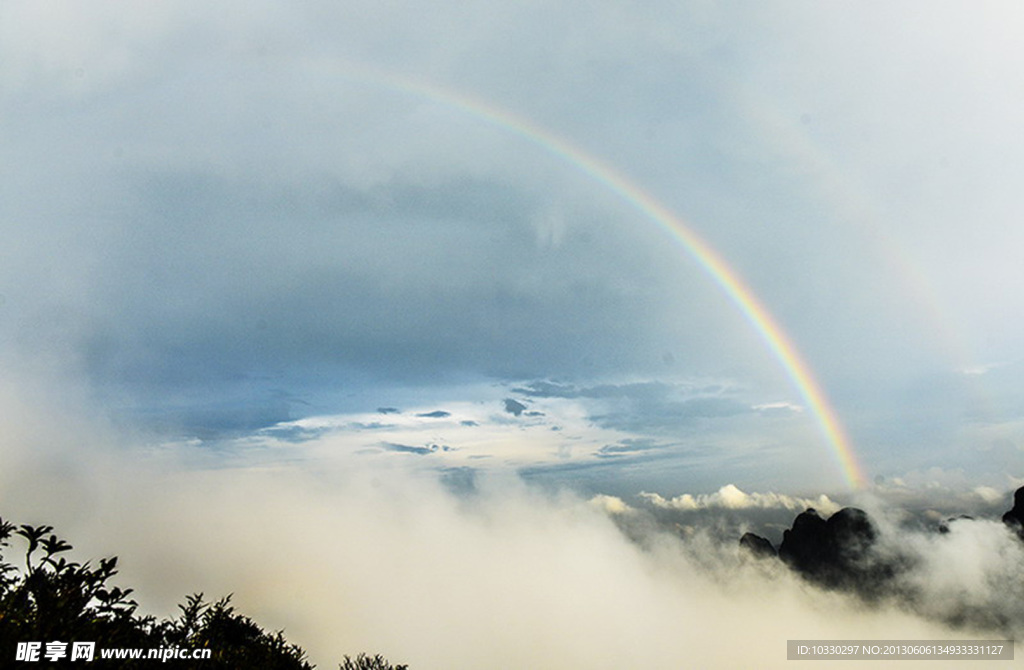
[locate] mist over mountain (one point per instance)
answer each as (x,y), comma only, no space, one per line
(462,569)
(963,571)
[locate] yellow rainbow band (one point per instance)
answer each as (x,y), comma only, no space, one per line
(776,339)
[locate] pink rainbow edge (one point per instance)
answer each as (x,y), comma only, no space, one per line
(741,295)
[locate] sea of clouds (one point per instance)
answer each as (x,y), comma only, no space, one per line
(362,554)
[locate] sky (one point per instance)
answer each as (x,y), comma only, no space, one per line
(218,223)
(448,243)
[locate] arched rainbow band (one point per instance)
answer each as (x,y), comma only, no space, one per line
(769,330)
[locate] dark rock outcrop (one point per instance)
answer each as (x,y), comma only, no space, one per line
(757,546)
(852,533)
(836,553)
(807,547)
(843,553)
(1015,517)
(943,527)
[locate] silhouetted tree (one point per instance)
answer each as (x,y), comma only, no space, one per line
(364,662)
(52,599)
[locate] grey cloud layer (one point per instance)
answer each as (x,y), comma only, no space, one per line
(202,205)
(151,271)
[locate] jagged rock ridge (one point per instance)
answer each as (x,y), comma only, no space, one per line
(840,552)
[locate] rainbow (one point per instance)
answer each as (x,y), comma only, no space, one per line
(775,338)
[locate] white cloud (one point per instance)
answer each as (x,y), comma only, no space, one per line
(779,405)
(349,555)
(478,433)
(989,494)
(611,504)
(731,497)
(944,493)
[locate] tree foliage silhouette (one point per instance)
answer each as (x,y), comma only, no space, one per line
(53,599)
(364,662)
